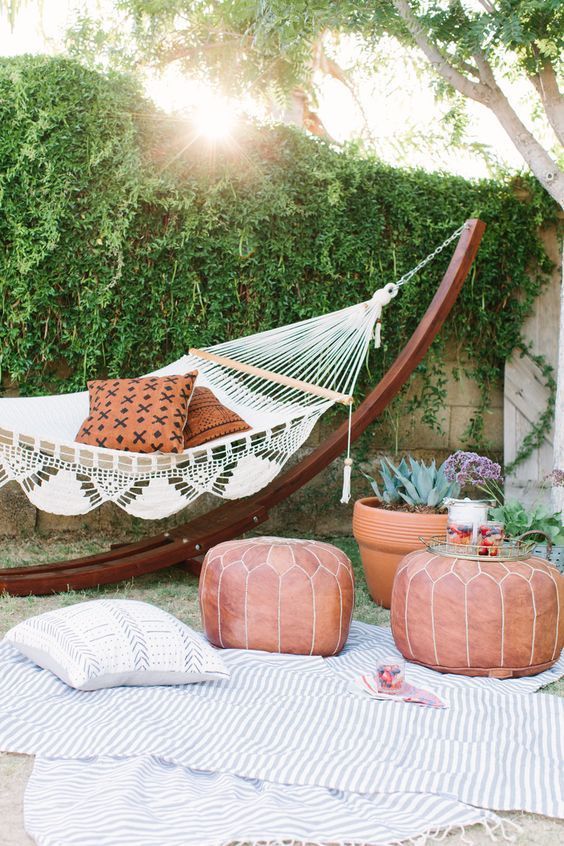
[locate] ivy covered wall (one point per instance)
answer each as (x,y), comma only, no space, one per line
(124,239)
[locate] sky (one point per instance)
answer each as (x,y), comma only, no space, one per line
(400,113)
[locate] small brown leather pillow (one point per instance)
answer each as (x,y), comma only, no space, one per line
(208,419)
(138,415)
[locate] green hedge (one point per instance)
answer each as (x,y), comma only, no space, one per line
(123,241)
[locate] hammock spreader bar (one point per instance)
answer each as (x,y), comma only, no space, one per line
(270,375)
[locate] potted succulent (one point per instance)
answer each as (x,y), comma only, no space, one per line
(407,507)
(469,468)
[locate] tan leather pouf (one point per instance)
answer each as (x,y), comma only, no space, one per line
(277,594)
(478,618)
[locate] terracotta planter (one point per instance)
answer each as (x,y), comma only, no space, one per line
(384,537)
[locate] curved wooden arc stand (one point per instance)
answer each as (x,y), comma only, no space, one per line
(189,542)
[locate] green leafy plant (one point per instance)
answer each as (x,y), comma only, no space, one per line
(413,482)
(519,519)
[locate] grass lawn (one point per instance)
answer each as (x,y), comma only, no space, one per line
(177,592)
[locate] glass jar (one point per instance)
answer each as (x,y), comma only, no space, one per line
(390,674)
(459,533)
(491,535)
(464,515)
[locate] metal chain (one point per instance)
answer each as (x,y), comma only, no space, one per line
(407,276)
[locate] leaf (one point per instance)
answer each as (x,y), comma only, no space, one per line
(424,483)
(434,498)
(411,491)
(373,483)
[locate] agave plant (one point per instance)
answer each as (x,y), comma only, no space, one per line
(413,482)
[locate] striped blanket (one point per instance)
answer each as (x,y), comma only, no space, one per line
(287,749)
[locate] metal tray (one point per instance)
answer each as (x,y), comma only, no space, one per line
(511,550)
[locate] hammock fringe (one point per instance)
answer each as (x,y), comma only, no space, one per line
(497,828)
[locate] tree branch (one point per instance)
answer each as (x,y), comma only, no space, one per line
(485,70)
(175,53)
(300,112)
(470,68)
(546,86)
(488,92)
(541,163)
(473,90)
(330,67)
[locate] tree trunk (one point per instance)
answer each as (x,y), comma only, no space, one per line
(298,112)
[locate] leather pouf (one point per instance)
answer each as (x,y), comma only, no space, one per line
(277,594)
(478,618)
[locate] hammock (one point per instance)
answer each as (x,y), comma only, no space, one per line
(187,543)
(280,382)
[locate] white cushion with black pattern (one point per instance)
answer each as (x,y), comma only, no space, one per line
(113,642)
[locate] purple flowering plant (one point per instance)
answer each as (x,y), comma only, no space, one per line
(556,478)
(469,468)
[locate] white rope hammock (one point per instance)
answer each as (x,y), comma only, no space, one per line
(279,381)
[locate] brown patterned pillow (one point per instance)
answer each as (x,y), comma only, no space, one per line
(138,415)
(208,419)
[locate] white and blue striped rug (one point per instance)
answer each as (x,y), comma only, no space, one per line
(148,802)
(285,750)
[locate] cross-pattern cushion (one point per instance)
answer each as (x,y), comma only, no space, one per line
(208,419)
(114,642)
(138,415)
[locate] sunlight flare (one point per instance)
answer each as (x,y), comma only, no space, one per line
(215,119)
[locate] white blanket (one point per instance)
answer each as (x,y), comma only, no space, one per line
(355,770)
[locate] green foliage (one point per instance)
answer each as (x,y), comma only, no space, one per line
(416,483)
(268,44)
(240,43)
(519,519)
(11,8)
(124,240)
(272,47)
(533,29)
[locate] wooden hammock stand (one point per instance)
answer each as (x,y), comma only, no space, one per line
(188,543)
